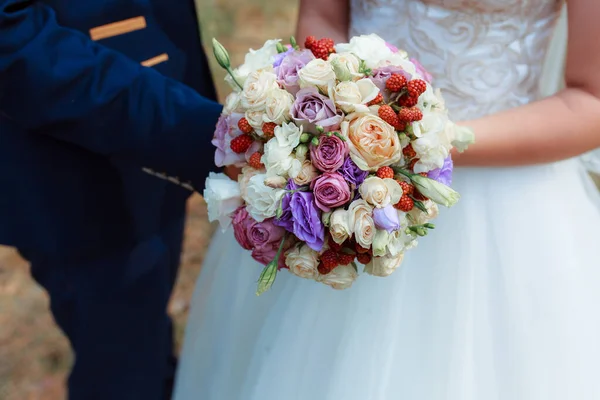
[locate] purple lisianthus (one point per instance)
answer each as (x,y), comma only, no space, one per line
(226,130)
(329,155)
(331,190)
(353,175)
(386,218)
(307,220)
(288,67)
(381,75)
(443,175)
(421,70)
(286,220)
(265,238)
(312,108)
(278,58)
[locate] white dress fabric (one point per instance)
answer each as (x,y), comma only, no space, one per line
(499,302)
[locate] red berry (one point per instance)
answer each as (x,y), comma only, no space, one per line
(333,245)
(244,125)
(329,259)
(410,114)
(322,269)
(309,42)
(409,152)
(364,258)
(376,100)
(329,43)
(395,83)
(405,204)
(423,174)
(241,143)
(268,129)
(385,172)
(416,87)
(388,114)
(322,48)
(412,163)
(345,258)
(408,100)
(419,196)
(407,188)
(361,250)
(255,162)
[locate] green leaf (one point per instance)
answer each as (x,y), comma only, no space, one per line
(420,206)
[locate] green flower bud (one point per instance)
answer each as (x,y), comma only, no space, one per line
(301,152)
(315,141)
(281,48)
(305,138)
(221,54)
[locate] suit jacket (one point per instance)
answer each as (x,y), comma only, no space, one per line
(91,92)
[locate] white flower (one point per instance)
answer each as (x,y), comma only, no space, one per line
(380,192)
(277,106)
(380,243)
(435,191)
(433,143)
(255,119)
(233,103)
(222,197)
(255,60)
(360,221)
(349,61)
(288,135)
(244,179)
(278,157)
(339,226)
(340,278)
(461,136)
(303,261)
(317,73)
(432,101)
(306,175)
(419,217)
(374,51)
(384,266)
(262,201)
(354,96)
(257,89)
(276,182)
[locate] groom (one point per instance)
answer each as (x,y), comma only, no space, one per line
(89,94)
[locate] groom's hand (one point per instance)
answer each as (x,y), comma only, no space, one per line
(232,172)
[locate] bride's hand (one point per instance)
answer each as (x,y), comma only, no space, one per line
(232,172)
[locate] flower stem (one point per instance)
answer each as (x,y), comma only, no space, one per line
(230,72)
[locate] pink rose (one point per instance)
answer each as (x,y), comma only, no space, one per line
(331,190)
(330,154)
(265,238)
(242,221)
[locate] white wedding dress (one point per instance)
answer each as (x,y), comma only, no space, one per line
(500,302)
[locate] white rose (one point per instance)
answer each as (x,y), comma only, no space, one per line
(339,226)
(354,96)
(262,201)
(360,221)
(277,106)
(257,89)
(303,262)
(350,61)
(276,182)
(222,197)
(306,175)
(340,278)
(233,103)
(244,179)
(374,51)
(255,60)
(384,266)
(419,217)
(317,73)
(255,119)
(380,192)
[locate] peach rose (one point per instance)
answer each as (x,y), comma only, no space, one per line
(373,142)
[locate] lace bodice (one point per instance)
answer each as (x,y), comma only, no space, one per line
(485,55)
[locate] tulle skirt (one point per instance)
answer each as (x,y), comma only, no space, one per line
(499,302)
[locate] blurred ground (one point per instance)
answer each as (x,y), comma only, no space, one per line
(34,355)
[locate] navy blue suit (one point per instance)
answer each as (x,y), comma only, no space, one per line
(79,117)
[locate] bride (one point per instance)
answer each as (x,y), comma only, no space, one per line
(500,302)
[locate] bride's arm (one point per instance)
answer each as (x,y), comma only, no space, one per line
(323,18)
(558,127)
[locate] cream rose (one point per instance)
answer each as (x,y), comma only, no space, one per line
(339,226)
(373,142)
(262,201)
(419,217)
(244,178)
(307,174)
(360,221)
(277,106)
(233,104)
(257,89)
(317,73)
(384,266)
(255,119)
(340,278)
(380,192)
(354,96)
(303,261)
(349,61)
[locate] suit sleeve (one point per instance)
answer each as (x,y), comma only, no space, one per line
(56,81)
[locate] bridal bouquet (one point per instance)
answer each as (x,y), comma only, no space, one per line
(344,152)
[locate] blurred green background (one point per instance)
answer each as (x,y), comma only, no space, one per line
(34,355)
